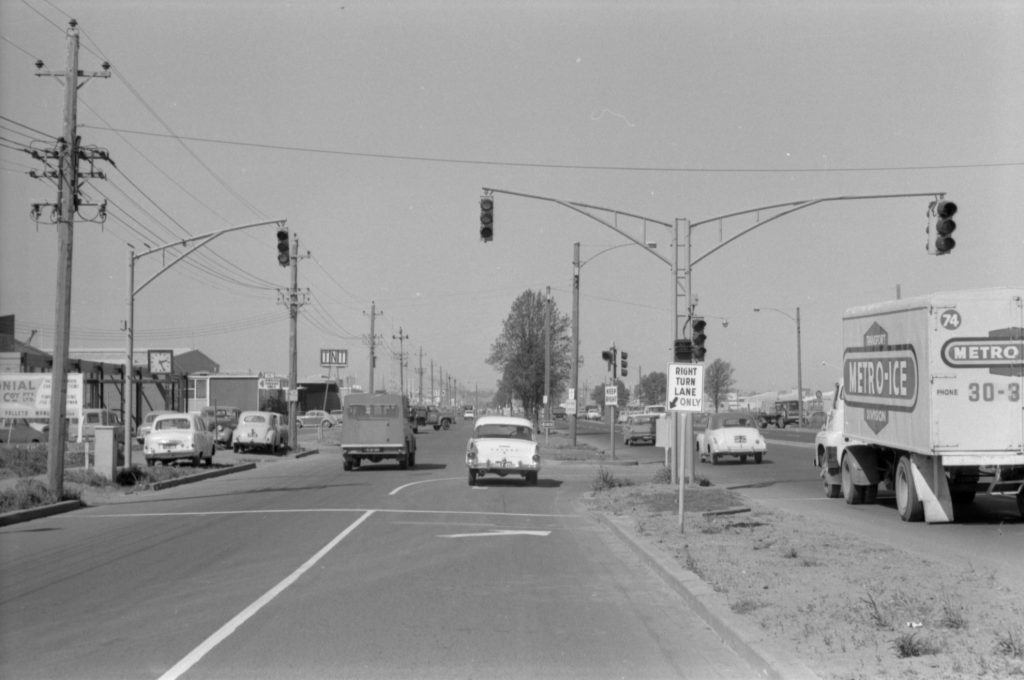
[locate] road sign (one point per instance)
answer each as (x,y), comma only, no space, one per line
(334,357)
(685,387)
(611,395)
(268,383)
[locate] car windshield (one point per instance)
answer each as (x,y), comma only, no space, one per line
(503,430)
(371,411)
(254,418)
(172,424)
(731,421)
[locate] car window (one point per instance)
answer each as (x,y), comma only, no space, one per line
(254,418)
(173,424)
(502,430)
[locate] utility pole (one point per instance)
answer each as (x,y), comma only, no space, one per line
(401,358)
(547,359)
(575,341)
(294,303)
(420,372)
(68,149)
(373,339)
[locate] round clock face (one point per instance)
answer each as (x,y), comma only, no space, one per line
(160,362)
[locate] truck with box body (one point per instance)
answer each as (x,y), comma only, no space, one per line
(377,427)
(930,405)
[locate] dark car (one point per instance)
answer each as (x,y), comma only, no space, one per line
(22,431)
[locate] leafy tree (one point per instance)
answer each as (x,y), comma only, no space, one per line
(718,380)
(597,394)
(519,351)
(652,388)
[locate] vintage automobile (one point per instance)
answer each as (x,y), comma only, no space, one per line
(377,428)
(223,420)
(259,430)
(731,434)
(503,445)
(23,431)
(147,425)
(639,428)
(179,436)
(316,418)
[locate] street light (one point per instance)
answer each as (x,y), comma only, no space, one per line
(577,265)
(799,361)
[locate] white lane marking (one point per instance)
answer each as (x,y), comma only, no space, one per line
(77,516)
(193,657)
(423,481)
(498,532)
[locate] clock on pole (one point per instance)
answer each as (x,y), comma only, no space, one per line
(160,360)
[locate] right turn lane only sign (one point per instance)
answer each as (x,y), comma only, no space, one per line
(685,387)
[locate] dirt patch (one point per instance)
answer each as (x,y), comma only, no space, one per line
(848,608)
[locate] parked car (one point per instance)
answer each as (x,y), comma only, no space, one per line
(640,428)
(731,434)
(222,420)
(339,415)
(316,418)
(91,418)
(594,415)
(262,430)
(503,445)
(558,413)
(23,431)
(179,436)
(146,425)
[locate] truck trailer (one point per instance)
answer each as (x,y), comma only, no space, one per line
(930,405)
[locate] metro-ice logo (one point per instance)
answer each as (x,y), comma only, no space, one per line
(1002,352)
(880,377)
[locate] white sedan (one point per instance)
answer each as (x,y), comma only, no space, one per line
(503,445)
(731,434)
(178,436)
(316,418)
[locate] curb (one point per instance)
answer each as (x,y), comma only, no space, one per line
(35,513)
(210,474)
(744,638)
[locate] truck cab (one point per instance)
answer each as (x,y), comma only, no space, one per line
(377,427)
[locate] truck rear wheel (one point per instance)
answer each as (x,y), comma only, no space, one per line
(833,490)
(908,504)
(853,493)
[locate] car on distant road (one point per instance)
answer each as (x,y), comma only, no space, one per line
(316,418)
(639,429)
(338,414)
(467,413)
(22,431)
(179,436)
(260,430)
(731,434)
(594,413)
(503,445)
(147,425)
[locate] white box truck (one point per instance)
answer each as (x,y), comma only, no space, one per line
(931,405)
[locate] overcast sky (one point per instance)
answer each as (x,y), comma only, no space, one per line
(371,127)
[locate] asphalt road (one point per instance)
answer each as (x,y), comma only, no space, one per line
(298,569)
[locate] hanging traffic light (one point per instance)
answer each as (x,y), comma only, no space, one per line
(699,324)
(944,226)
(486,218)
(624,364)
(683,351)
(283,258)
(609,356)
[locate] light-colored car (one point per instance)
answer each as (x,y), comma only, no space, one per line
(179,436)
(146,425)
(594,414)
(262,430)
(316,418)
(640,429)
(503,445)
(731,434)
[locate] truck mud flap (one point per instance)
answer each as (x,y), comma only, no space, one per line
(932,488)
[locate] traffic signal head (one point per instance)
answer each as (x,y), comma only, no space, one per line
(699,324)
(624,364)
(683,351)
(609,356)
(486,218)
(944,226)
(283,258)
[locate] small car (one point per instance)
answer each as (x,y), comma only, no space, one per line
(731,434)
(23,431)
(179,436)
(503,445)
(260,430)
(594,415)
(225,420)
(640,428)
(316,418)
(147,425)
(467,413)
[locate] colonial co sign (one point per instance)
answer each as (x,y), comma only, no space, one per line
(27,395)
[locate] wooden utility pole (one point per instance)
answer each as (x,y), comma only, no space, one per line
(373,340)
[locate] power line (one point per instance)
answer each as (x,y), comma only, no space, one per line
(557,166)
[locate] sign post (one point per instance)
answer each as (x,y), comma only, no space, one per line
(685,387)
(611,401)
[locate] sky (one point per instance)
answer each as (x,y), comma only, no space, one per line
(373,127)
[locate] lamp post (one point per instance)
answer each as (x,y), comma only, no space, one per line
(577,265)
(799,361)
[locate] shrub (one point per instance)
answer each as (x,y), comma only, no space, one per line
(662,476)
(908,644)
(31,493)
(606,480)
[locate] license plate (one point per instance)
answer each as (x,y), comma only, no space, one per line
(741,439)
(372,450)
(168,445)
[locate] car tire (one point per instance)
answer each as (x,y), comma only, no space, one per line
(908,503)
(743,458)
(852,493)
(347,466)
(758,457)
(833,490)
(531,478)
(714,459)
(472,477)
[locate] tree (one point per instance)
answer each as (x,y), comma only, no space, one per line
(717,380)
(519,351)
(652,388)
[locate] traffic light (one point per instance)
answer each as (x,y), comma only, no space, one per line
(609,356)
(624,364)
(486,218)
(699,324)
(944,226)
(683,351)
(283,258)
